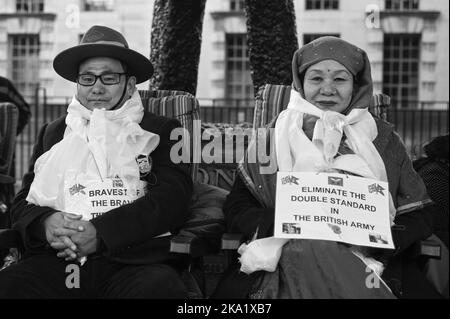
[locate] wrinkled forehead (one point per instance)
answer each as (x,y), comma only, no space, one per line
(101,64)
(328,66)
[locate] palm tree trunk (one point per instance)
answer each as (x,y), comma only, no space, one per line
(272,40)
(175,44)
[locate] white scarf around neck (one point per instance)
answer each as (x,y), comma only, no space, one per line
(99,143)
(296,152)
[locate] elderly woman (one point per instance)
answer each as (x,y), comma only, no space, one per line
(332,88)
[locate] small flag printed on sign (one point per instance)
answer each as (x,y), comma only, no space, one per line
(336,181)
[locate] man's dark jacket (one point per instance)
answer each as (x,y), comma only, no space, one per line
(126,233)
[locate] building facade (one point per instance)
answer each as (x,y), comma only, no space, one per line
(33,32)
(407,42)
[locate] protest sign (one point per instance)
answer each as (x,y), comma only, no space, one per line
(92,197)
(332,206)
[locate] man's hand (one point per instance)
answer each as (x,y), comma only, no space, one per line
(82,233)
(62,242)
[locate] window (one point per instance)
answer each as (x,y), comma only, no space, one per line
(429,46)
(98,5)
(308,37)
(401,68)
(322,4)
(430,25)
(29,6)
(24,62)
(402,4)
(238,78)
(429,86)
(429,66)
(236,5)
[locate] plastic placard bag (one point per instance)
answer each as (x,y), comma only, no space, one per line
(90,196)
(261,254)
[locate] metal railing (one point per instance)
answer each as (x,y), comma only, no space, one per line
(415,125)
(418,125)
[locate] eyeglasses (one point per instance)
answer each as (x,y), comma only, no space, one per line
(106,78)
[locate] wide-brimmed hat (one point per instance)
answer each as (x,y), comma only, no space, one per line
(100,41)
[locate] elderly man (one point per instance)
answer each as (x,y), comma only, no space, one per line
(96,207)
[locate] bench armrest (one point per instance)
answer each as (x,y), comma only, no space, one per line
(231,241)
(428,248)
(194,246)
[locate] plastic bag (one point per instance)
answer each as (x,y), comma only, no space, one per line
(261,254)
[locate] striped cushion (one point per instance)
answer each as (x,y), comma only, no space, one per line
(380,105)
(9,116)
(176,104)
(206,219)
(147,94)
(271,99)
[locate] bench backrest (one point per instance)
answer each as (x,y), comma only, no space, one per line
(177,104)
(271,99)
